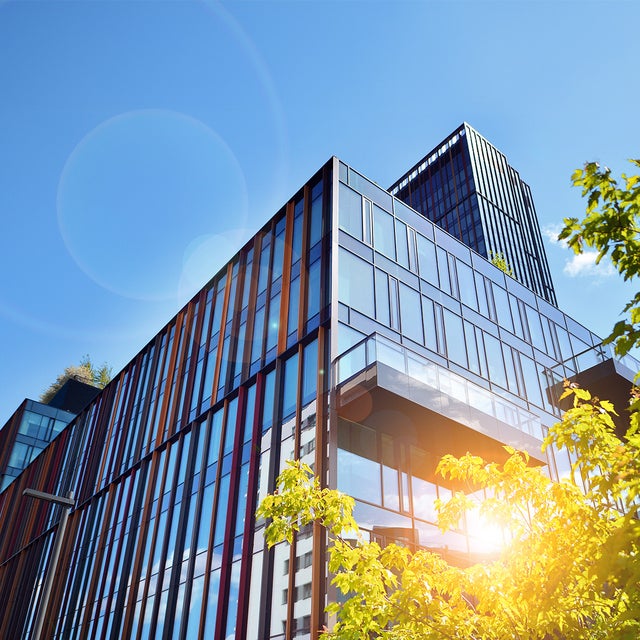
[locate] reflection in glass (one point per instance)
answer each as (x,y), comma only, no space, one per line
(355,284)
(383,233)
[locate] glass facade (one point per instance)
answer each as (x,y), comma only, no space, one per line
(467,187)
(169,462)
(29,430)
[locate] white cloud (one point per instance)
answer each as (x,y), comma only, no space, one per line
(551,231)
(584,264)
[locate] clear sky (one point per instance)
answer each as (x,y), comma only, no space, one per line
(142,142)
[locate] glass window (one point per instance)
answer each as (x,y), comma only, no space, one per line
(258,327)
(350,216)
(296,242)
(410,314)
(565,344)
(494,360)
(443,269)
(214,437)
(355,284)
(466,285)
(221,512)
(310,372)
(472,347)
(483,294)
(510,365)
(424,497)
(264,270)
(429,325)
(382,297)
(393,304)
(515,314)
(249,412)
(278,251)
(531,382)
(274,322)
(289,396)
(313,290)
(383,234)
(230,426)
(402,248)
(368,224)
(347,337)
(294,305)
(503,312)
(269,395)
(315,233)
(359,477)
(427,260)
(535,328)
(455,338)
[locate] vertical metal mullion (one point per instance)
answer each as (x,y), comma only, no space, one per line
(249,521)
(229,524)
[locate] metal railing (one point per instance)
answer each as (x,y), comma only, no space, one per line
(379,349)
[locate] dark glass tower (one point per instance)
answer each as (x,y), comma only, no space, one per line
(467,187)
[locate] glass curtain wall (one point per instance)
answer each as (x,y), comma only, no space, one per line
(168,463)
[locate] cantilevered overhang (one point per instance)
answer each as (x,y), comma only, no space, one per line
(603,374)
(402,393)
(609,380)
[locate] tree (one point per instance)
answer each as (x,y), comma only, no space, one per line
(498,259)
(85,372)
(611,226)
(570,570)
(571,566)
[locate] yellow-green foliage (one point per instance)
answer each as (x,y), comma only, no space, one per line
(570,569)
(611,226)
(498,259)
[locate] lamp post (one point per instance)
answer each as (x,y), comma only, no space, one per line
(67,504)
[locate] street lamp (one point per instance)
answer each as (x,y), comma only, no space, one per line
(67,504)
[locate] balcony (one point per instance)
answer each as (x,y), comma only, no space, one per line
(385,385)
(605,374)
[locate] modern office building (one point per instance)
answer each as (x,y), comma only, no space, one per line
(34,425)
(467,187)
(350,332)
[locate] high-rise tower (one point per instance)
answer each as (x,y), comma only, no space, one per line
(467,187)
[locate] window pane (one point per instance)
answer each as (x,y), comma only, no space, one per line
(350,216)
(274,322)
(313,291)
(382,297)
(310,372)
(429,324)
(494,360)
(401,244)
(443,269)
(290,387)
(383,234)
(503,312)
(427,260)
(410,314)
(355,285)
(359,477)
(316,215)
(466,285)
(455,338)
(294,304)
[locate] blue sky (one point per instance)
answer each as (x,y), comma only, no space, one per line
(142,142)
